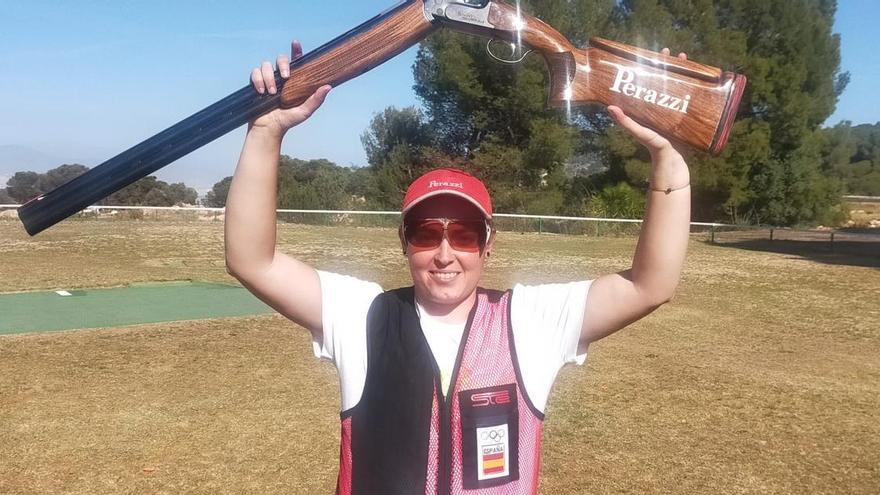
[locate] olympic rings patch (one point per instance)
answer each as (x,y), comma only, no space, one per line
(494,434)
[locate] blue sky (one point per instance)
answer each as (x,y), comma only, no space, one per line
(83,80)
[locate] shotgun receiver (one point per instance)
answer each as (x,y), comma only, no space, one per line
(683,100)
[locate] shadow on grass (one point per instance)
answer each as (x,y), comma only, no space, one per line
(850,253)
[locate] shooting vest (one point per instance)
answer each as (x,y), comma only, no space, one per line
(403,437)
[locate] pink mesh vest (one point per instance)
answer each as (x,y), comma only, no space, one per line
(404,437)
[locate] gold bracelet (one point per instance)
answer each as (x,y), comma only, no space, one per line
(669,189)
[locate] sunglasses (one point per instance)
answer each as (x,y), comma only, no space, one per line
(463,235)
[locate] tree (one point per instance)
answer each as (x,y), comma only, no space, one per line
(391,128)
(397,143)
(312,185)
(795,60)
(390,180)
(146,192)
(151,191)
(470,98)
(182,195)
(60,175)
(852,155)
(5,198)
(618,201)
(497,116)
(23,186)
(216,197)
(772,169)
(320,185)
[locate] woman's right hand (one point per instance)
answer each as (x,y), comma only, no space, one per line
(280,120)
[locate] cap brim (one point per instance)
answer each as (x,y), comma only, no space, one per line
(453,193)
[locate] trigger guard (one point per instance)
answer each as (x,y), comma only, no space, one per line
(503,60)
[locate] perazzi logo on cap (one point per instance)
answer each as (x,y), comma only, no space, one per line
(623,84)
(445,183)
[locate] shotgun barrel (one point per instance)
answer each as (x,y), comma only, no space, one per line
(145,158)
(349,55)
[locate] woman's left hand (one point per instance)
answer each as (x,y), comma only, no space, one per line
(650,139)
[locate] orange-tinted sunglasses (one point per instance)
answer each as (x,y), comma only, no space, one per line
(463,235)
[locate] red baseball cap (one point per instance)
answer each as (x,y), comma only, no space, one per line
(448,181)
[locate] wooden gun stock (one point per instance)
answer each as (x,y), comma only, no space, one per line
(685,101)
(682,100)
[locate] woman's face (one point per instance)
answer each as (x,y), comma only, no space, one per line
(445,277)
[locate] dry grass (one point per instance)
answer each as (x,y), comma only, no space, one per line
(762,376)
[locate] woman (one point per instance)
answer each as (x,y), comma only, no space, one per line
(444,383)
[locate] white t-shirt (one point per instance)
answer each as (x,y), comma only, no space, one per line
(546,319)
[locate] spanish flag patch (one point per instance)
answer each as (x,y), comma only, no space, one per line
(493,448)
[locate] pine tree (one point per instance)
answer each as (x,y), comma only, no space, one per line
(772,170)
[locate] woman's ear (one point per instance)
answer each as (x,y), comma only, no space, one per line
(490,243)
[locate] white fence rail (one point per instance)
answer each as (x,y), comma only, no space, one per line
(833,240)
(864,199)
(98,209)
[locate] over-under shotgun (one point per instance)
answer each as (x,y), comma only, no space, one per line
(689,102)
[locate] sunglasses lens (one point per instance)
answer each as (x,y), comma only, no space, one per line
(466,236)
(425,234)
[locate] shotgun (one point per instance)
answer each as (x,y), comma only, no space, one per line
(683,100)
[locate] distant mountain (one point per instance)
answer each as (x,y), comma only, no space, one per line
(15,158)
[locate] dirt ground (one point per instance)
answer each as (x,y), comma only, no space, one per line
(761,376)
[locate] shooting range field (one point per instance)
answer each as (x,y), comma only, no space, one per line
(761,376)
